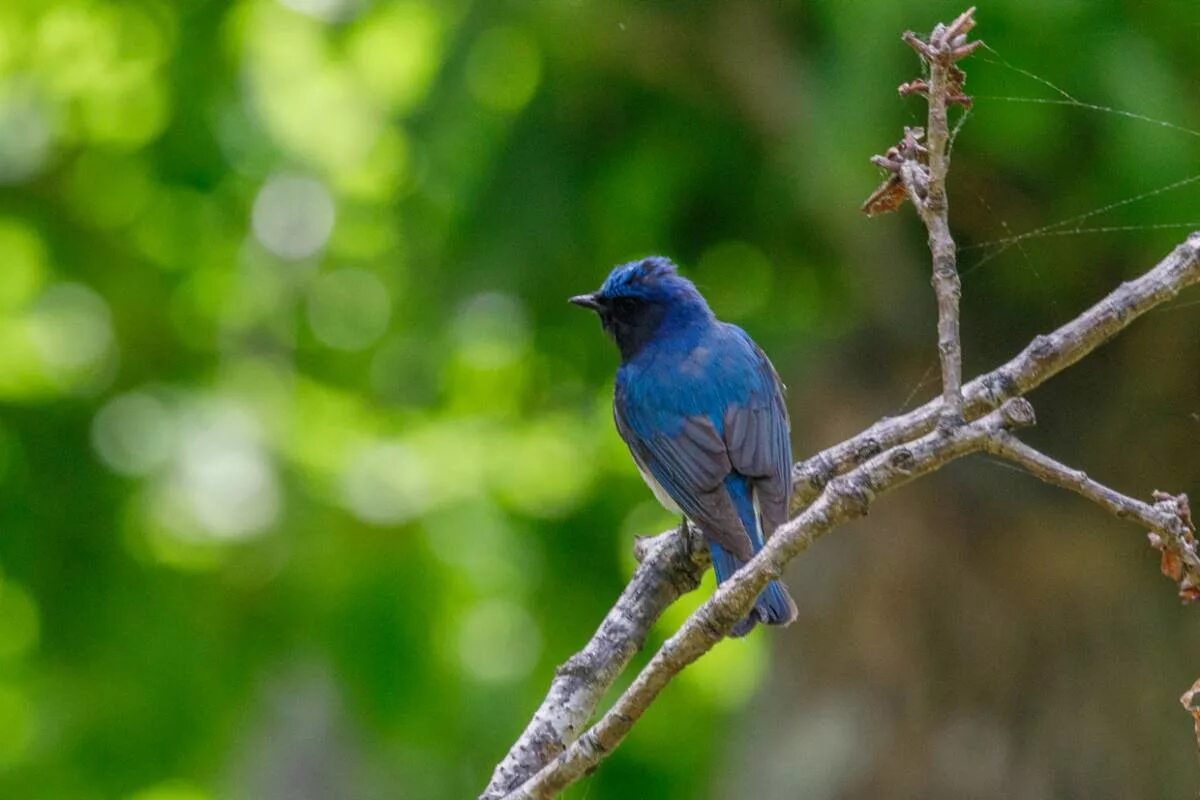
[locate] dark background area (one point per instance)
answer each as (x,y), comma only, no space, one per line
(307,471)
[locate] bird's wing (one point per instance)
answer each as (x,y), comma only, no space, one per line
(687,456)
(758,437)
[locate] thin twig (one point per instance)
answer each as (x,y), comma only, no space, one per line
(925,180)
(1168,518)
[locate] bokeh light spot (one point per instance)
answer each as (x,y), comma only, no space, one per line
(348,309)
(498,642)
(222,486)
(477,540)
(840,733)
(72,329)
(293,216)
(133,433)
(26,132)
(385,483)
(492,331)
(325,10)
(396,53)
(381,173)
(544,470)
(127,113)
(24,263)
(74,46)
(504,68)
(311,102)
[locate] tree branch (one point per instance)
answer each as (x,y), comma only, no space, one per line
(1169,518)
(671,565)
(926,187)
(1043,358)
(845,498)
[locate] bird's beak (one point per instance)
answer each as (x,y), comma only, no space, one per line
(587,301)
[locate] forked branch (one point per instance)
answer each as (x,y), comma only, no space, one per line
(845,498)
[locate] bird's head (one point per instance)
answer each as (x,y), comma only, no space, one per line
(640,298)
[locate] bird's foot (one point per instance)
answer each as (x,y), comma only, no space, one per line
(686,536)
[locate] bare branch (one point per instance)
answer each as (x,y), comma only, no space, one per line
(1044,357)
(845,498)
(926,185)
(671,565)
(1168,518)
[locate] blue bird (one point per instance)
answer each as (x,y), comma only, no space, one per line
(701,408)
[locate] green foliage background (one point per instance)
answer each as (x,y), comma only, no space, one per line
(307,474)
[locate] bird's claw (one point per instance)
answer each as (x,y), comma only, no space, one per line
(686,537)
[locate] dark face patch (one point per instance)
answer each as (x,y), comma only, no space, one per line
(631,322)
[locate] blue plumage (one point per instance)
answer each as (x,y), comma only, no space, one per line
(702,411)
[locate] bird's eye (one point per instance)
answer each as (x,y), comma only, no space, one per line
(626,305)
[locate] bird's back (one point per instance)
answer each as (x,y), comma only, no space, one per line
(696,371)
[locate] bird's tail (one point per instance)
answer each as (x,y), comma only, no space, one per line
(774,606)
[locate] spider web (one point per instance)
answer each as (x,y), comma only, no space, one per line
(1073,225)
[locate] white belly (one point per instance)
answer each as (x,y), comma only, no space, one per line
(661,495)
(659,492)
